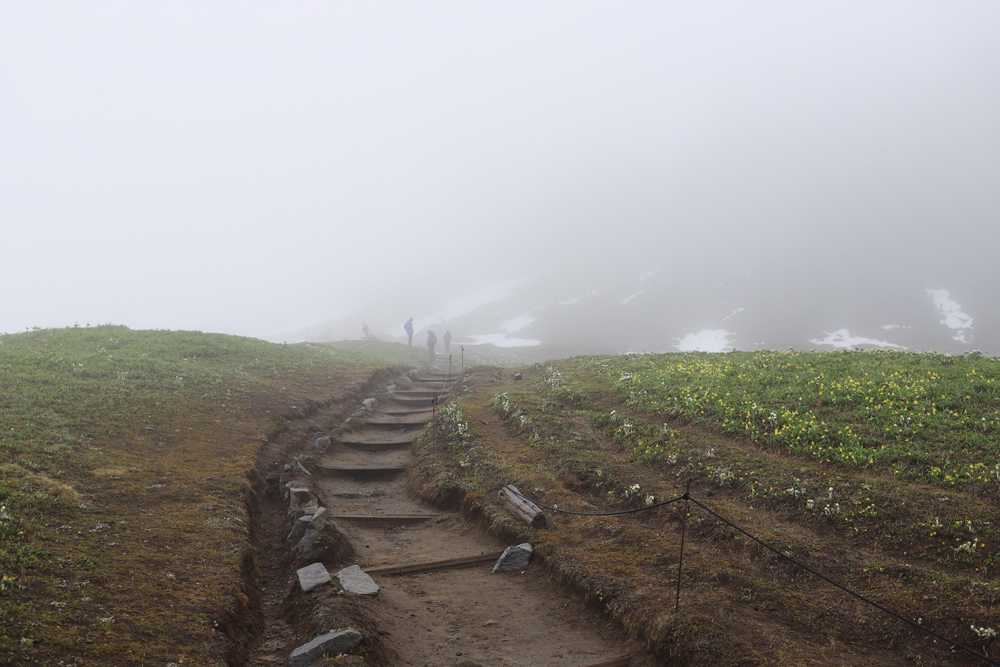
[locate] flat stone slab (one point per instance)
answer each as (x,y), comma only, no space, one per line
(331,642)
(514,558)
(356,581)
(313,576)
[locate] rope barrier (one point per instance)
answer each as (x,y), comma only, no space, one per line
(808,569)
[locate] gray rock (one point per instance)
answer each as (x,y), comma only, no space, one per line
(514,558)
(273,478)
(355,581)
(313,576)
(300,497)
(300,527)
(308,541)
(331,642)
(368,403)
(322,442)
(320,518)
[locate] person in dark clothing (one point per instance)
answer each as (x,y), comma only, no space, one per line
(431,342)
(408,328)
(447,340)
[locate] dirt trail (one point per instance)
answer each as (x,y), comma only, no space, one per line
(431,619)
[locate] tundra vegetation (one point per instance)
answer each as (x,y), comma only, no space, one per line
(127,463)
(878,469)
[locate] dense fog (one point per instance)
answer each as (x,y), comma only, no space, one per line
(577,176)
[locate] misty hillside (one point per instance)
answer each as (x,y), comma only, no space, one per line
(659,311)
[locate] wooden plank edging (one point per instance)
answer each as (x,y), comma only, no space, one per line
(434,566)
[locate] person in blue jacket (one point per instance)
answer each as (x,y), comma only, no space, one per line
(408,328)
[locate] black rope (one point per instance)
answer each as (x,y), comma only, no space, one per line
(631,511)
(845,589)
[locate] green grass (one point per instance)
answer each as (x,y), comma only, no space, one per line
(929,417)
(125,460)
(879,469)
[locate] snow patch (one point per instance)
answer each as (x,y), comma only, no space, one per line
(649,274)
(735,312)
(706,340)
(517,323)
(501,340)
(952,315)
(629,298)
(467,303)
(843,338)
(576,300)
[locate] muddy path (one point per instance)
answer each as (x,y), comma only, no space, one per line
(463,615)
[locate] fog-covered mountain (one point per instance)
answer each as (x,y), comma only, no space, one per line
(658,311)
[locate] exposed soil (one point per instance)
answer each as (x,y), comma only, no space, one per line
(437,618)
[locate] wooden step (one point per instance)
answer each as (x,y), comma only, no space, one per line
(367,472)
(623,661)
(435,566)
(386,520)
(376,446)
(381,436)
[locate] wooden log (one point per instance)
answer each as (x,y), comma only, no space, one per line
(623,661)
(436,565)
(521,507)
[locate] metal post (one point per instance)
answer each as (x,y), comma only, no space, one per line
(680,561)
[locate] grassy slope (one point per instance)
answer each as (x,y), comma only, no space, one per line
(880,470)
(124,465)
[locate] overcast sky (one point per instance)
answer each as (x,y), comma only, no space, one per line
(257,167)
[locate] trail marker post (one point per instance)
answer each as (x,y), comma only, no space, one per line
(680,561)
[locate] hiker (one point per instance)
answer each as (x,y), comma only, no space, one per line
(431,342)
(408,328)
(447,340)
